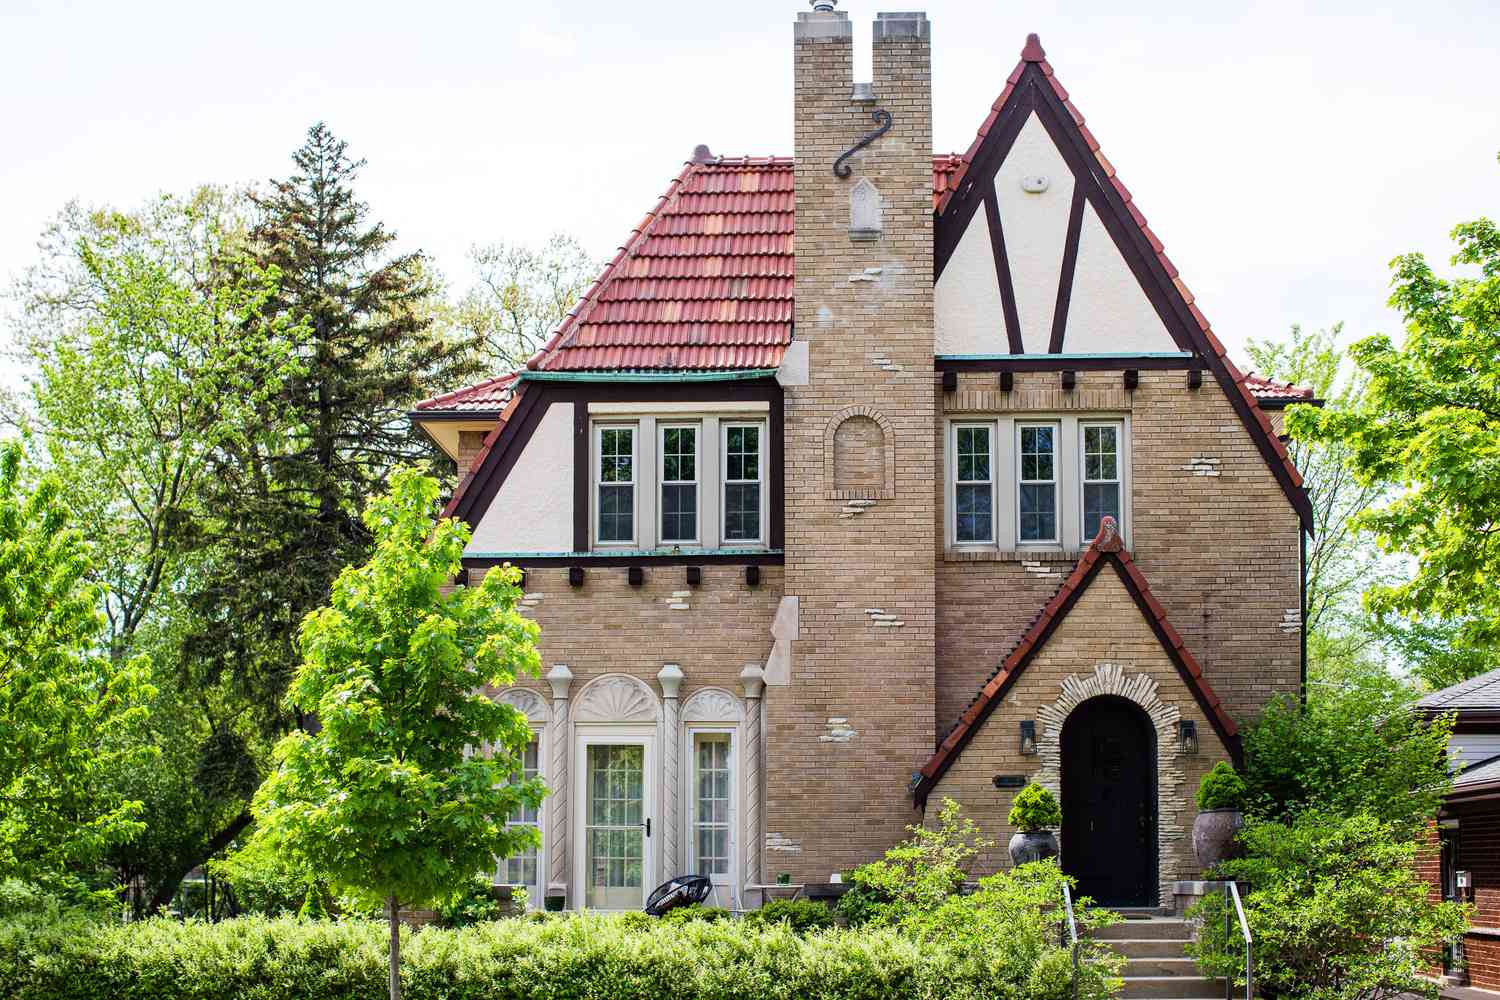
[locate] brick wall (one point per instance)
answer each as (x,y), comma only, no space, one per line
(836,791)
(1220,551)
(1479,853)
(1105,626)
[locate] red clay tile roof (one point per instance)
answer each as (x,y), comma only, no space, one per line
(490,441)
(489,396)
(1106,548)
(1270,391)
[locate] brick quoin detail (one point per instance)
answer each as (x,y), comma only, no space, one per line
(837,465)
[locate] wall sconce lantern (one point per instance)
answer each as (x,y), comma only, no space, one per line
(1187,736)
(1028,738)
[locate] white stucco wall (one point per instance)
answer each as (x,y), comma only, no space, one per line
(1035,227)
(969,312)
(533,512)
(1108,311)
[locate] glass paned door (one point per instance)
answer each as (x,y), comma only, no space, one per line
(616,826)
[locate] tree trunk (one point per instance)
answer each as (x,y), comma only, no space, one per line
(168,886)
(395,914)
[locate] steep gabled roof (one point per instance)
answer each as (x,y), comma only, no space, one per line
(1033,87)
(1271,393)
(1477,694)
(1105,550)
(490,441)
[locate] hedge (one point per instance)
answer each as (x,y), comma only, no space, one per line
(58,957)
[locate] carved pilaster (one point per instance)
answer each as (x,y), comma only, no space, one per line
(670,678)
(560,741)
(753,679)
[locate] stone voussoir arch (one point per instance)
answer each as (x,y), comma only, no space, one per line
(887,488)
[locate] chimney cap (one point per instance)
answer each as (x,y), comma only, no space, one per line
(701,153)
(823,6)
(1033,50)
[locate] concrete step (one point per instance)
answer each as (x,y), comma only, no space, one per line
(1157,928)
(1174,966)
(1149,947)
(1171,987)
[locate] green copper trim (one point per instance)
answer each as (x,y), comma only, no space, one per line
(742,375)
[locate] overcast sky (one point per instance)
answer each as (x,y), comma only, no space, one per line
(1283,155)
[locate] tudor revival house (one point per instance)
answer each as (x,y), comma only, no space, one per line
(870,477)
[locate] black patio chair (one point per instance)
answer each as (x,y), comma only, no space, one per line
(684,890)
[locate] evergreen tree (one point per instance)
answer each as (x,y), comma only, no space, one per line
(290,494)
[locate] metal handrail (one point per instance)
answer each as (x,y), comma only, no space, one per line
(1072,932)
(1232,894)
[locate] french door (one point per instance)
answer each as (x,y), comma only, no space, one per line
(615,824)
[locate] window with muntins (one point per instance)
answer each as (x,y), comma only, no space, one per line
(616,484)
(711,805)
(522,868)
(679,483)
(974,485)
(742,482)
(1036,497)
(1101,475)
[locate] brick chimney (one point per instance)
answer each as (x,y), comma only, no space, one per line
(854,718)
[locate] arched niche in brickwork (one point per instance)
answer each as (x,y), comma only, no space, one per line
(859,455)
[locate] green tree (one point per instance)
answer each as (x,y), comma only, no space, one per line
(62,701)
(1429,424)
(289,494)
(521,296)
(145,366)
(386,799)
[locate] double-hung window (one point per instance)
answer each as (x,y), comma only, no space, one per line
(679,483)
(712,804)
(974,484)
(1036,483)
(523,868)
(1101,475)
(616,484)
(743,475)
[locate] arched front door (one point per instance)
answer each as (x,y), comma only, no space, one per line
(1109,802)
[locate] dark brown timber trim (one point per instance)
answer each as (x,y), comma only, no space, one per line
(583,475)
(478,416)
(503,455)
(1065,275)
(949,227)
(1002,270)
(1079,363)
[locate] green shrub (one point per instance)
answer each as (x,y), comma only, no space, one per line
(1221,788)
(567,958)
(922,871)
(860,905)
(695,911)
(1034,809)
(1336,908)
(801,915)
(477,903)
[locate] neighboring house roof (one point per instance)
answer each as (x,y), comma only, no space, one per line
(490,441)
(1271,393)
(1482,772)
(1105,550)
(1477,694)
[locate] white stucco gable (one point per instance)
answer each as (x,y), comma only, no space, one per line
(533,509)
(1109,311)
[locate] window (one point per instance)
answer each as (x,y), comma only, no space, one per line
(711,804)
(974,486)
(616,484)
(679,484)
(742,482)
(1036,497)
(523,868)
(1101,476)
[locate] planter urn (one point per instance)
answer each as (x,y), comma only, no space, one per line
(1214,831)
(1038,845)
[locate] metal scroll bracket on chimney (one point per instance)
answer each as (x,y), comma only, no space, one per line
(882,118)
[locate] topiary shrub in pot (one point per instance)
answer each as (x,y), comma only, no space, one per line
(1034,813)
(1220,817)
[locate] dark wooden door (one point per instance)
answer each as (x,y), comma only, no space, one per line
(1109,802)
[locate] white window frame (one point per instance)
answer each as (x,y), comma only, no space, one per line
(691,732)
(1084,482)
(696,482)
(1055,482)
(534,893)
(635,480)
(724,482)
(989,427)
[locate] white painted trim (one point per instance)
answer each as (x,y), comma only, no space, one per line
(1122,473)
(1057,485)
(678,409)
(761,467)
(536,894)
(586,734)
(989,426)
(736,799)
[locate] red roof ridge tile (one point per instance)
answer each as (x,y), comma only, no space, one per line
(1107,547)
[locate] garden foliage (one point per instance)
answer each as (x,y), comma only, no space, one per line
(1221,788)
(1034,809)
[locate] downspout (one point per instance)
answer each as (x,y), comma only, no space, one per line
(1302,610)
